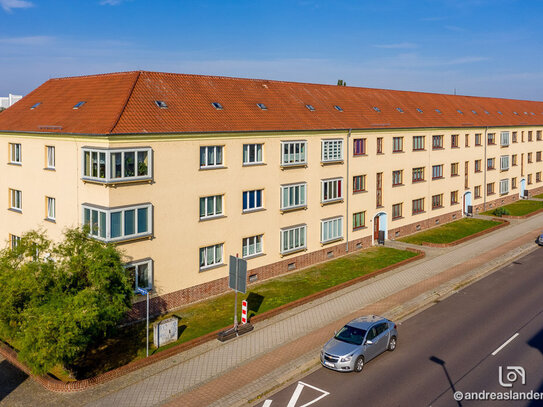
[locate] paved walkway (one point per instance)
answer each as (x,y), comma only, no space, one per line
(209,374)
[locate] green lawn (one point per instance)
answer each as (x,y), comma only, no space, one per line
(450,232)
(519,208)
(128,343)
(540,196)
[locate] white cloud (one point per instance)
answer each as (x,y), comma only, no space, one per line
(32,40)
(402,45)
(8,5)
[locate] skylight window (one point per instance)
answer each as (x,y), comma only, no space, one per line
(310,108)
(532,113)
(459,111)
(376,109)
(161,104)
(262,106)
(499,112)
(217,105)
(525,112)
(515,113)
(399,109)
(338,108)
(474,112)
(35,105)
(487,112)
(78,105)
(439,111)
(419,110)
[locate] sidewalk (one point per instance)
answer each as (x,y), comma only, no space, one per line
(231,373)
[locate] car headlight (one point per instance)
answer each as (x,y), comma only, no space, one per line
(346,358)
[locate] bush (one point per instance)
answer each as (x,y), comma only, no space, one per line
(501,212)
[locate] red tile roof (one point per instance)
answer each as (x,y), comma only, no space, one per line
(124,103)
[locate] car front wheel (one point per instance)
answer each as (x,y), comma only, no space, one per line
(392,344)
(359,364)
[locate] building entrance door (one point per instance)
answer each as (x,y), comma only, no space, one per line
(376,227)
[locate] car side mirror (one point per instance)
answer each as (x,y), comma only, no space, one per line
(369,342)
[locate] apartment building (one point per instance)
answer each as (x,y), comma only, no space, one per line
(182,171)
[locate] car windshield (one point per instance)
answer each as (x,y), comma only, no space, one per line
(350,334)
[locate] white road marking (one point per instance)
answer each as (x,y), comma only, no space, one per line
(505,344)
(267,403)
(298,391)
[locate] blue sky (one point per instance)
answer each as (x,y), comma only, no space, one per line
(480,47)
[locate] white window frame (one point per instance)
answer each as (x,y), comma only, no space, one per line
(51,208)
(291,157)
(215,214)
(216,262)
(50,157)
(331,150)
(206,162)
(254,244)
(504,162)
(258,154)
(108,154)
(255,208)
(14,241)
(504,186)
(296,193)
(15,153)
(137,265)
(439,169)
(16,199)
(504,138)
(334,184)
(105,235)
(331,229)
(295,237)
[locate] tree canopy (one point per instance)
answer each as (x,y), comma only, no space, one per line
(57,298)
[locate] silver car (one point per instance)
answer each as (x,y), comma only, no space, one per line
(358,342)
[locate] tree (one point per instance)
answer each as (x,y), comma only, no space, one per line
(340,82)
(2,109)
(57,298)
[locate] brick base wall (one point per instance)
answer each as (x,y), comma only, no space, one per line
(495,203)
(535,191)
(424,224)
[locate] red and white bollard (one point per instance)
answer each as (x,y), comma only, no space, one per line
(244,312)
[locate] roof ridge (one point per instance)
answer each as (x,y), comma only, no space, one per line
(126,102)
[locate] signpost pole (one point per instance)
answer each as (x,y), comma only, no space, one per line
(146,293)
(236,298)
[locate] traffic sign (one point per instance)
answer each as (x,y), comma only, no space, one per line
(237,279)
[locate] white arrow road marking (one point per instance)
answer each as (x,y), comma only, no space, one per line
(298,391)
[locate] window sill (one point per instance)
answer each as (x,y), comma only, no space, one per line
(398,152)
(397,185)
(15,164)
(337,239)
(455,203)
(253,210)
(490,169)
(418,181)
(362,191)
(380,153)
(490,194)
(214,266)
(419,149)
(505,170)
(438,148)
(218,167)
(455,175)
(253,164)
(477,172)
(362,155)
(455,146)
(333,201)
(331,162)
(505,146)
(418,213)
(397,218)
(253,256)
(50,220)
(359,228)
(301,249)
(300,165)
(212,218)
(15,210)
(436,178)
(437,207)
(293,209)
(127,240)
(49,169)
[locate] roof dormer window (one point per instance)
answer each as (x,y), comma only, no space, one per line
(376,109)
(216,105)
(338,108)
(35,105)
(161,104)
(419,110)
(459,111)
(399,109)
(262,106)
(79,104)
(474,112)
(439,111)
(310,108)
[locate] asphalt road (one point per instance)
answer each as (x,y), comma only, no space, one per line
(448,348)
